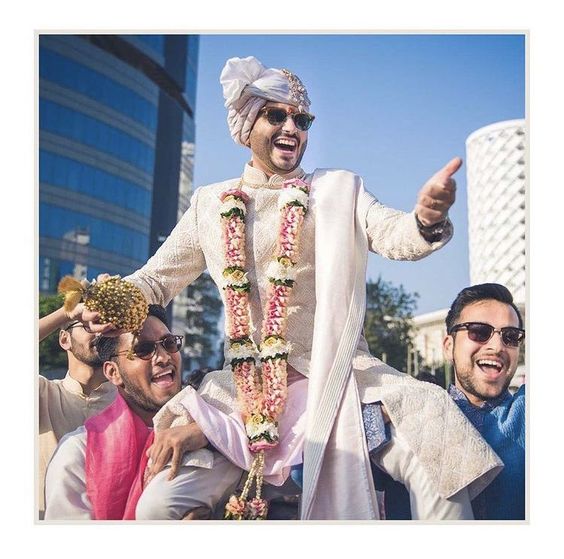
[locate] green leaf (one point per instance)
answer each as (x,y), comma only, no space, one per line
(234,212)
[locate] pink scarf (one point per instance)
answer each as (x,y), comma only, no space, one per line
(116,443)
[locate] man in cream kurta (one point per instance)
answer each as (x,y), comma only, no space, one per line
(433,448)
(94,472)
(66,404)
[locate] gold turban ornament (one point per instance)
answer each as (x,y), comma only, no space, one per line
(118,301)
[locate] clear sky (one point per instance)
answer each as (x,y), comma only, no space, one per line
(392,108)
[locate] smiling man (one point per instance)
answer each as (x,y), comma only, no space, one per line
(485,333)
(66,404)
(100,470)
(282,151)
(288,251)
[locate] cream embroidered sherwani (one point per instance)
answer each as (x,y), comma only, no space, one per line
(325,316)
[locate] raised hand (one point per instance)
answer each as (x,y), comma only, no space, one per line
(438,194)
(91,319)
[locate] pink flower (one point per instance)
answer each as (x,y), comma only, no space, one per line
(234,192)
(256,509)
(297,183)
(235,507)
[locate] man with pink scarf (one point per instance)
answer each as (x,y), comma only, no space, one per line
(99,471)
(333,402)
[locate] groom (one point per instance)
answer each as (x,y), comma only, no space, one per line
(337,396)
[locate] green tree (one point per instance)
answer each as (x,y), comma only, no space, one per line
(387,324)
(51,356)
(202,318)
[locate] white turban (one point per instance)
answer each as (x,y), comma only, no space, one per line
(248,85)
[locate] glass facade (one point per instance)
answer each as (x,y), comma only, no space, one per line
(104,127)
(192,70)
(67,173)
(98,135)
(91,83)
(156,42)
(57,222)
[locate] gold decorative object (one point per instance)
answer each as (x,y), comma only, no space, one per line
(118,301)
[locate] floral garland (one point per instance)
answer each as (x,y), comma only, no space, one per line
(261,395)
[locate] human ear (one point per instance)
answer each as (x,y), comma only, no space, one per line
(65,340)
(111,372)
(448,348)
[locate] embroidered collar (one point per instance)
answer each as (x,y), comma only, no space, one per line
(255,178)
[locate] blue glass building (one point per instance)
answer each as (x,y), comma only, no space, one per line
(116,146)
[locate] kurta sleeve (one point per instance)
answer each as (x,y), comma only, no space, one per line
(226,432)
(394,234)
(176,264)
(65,483)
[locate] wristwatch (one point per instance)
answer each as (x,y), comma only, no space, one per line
(432,233)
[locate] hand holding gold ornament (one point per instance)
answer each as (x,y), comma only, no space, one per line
(108,305)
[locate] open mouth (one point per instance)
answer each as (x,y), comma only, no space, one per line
(491,367)
(164,379)
(287,145)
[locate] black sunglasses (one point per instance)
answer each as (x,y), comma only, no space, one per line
(78,323)
(276,117)
(145,349)
(481,333)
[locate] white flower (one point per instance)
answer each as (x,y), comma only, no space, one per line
(276,270)
(292,195)
(231,203)
(265,427)
(240,351)
(235,279)
(275,347)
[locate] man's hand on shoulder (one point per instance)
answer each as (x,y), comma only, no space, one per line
(437,195)
(170,444)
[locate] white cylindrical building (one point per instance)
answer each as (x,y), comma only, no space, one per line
(496,174)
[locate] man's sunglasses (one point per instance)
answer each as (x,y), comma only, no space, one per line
(276,117)
(145,349)
(481,333)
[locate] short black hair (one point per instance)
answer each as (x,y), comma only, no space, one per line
(480,292)
(107,345)
(159,312)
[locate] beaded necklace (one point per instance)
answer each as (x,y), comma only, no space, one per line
(261,393)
